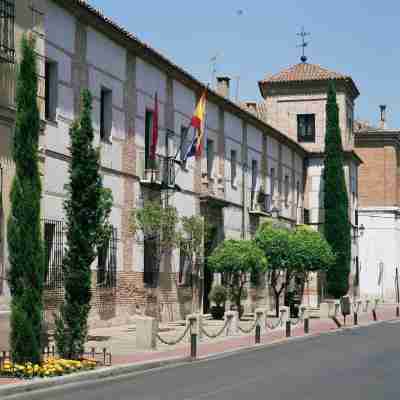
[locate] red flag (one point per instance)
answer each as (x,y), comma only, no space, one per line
(154,136)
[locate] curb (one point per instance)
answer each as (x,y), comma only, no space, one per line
(130,369)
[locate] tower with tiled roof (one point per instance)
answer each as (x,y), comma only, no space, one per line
(295,100)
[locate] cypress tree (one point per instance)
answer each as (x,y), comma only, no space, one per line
(337,225)
(87,209)
(26,252)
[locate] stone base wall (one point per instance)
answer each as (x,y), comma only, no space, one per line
(120,305)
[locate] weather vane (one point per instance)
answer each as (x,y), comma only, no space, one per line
(303,34)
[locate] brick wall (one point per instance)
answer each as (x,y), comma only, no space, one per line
(378,176)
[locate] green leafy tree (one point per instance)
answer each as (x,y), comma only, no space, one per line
(158,223)
(26,251)
(87,210)
(310,252)
(336,204)
(236,260)
(274,241)
(192,244)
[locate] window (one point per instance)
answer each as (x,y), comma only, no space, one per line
(105,114)
(272,178)
(233,167)
(185,143)
(306,128)
(254,174)
(287,188)
(350,120)
(54,253)
(7,19)
(148,138)
(107,261)
(210,158)
(151,266)
(185,265)
(297,194)
(51,89)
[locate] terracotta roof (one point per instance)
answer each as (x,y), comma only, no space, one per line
(186,76)
(305,72)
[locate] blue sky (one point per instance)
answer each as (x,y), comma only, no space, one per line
(355,37)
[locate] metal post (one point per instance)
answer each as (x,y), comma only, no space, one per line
(306,325)
(193,346)
(258,334)
(355,318)
(288,326)
(397,311)
(374,315)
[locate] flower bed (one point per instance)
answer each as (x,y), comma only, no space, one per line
(49,368)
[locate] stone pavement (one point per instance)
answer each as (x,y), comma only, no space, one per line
(121,340)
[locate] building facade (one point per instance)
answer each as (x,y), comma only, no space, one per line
(295,103)
(378,212)
(232,185)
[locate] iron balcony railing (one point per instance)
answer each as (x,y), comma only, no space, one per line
(160,171)
(260,202)
(7,22)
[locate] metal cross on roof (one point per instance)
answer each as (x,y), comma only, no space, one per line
(303,34)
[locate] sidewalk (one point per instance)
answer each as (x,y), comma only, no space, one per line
(121,340)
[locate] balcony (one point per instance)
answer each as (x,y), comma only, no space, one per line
(7,41)
(260,204)
(158,174)
(213,191)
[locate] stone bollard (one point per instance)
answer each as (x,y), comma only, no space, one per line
(233,317)
(146,333)
(285,313)
(324,310)
(260,314)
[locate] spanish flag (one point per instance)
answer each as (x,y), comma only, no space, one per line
(198,122)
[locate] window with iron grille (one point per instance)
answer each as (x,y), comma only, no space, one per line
(151,261)
(7,20)
(107,261)
(54,253)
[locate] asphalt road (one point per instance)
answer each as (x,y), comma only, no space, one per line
(353,364)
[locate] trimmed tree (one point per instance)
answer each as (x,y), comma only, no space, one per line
(336,204)
(275,244)
(310,252)
(237,260)
(26,252)
(87,210)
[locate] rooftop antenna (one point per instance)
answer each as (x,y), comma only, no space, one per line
(213,67)
(303,34)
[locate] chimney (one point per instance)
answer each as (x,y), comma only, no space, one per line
(251,106)
(382,124)
(223,86)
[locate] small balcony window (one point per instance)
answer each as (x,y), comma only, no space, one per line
(7,41)
(306,128)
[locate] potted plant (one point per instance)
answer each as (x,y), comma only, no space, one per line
(218,296)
